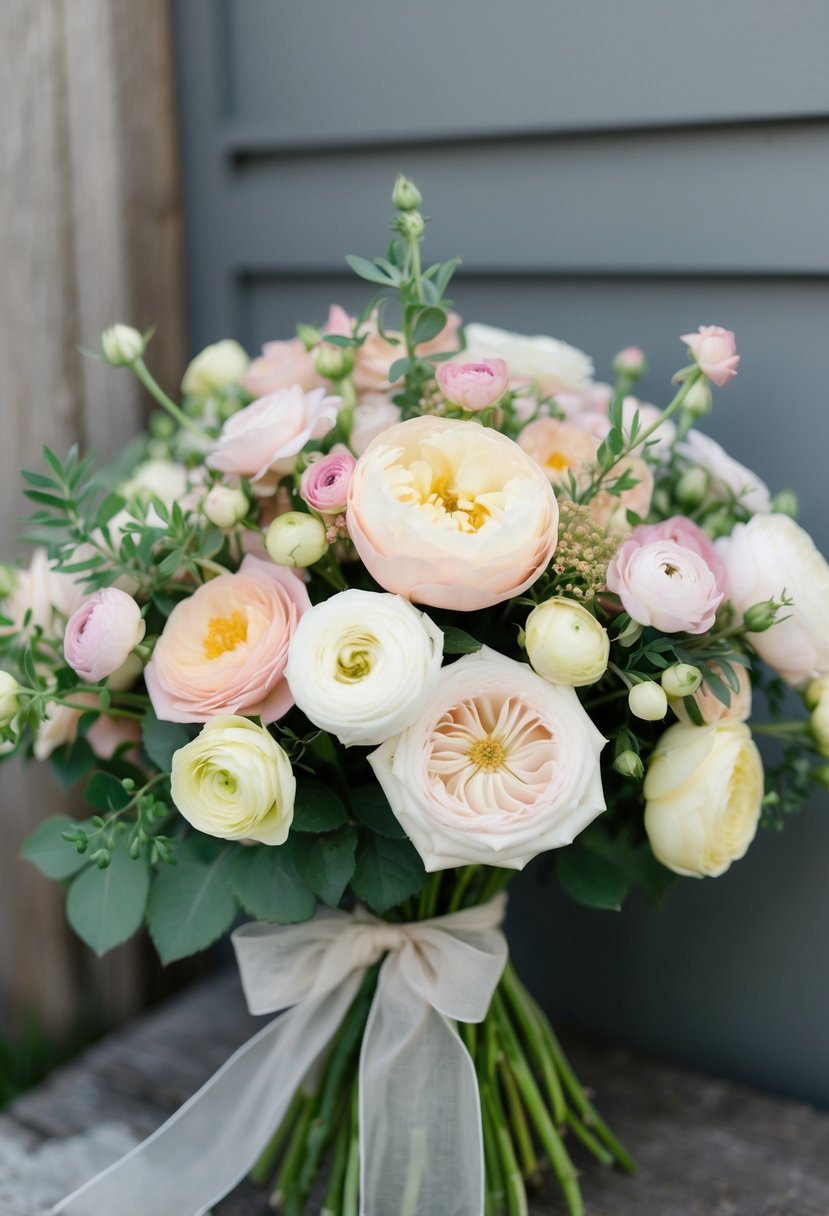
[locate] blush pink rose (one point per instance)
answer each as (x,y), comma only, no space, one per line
(689,535)
(102,633)
(665,585)
(324,484)
(715,352)
(267,435)
(473,386)
(224,649)
(281,365)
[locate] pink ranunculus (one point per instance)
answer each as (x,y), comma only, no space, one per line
(324,484)
(281,365)
(631,359)
(473,386)
(224,649)
(373,414)
(715,352)
(267,435)
(685,532)
(665,585)
(102,633)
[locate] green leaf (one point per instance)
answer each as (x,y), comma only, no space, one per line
(162,739)
(46,849)
(71,762)
(457,641)
(326,863)
(372,809)
(589,879)
(318,808)
(368,271)
(106,793)
(191,905)
(105,907)
(428,325)
(267,884)
(388,871)
(398,369)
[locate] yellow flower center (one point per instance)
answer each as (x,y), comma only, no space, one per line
(487,753)
(558,462)
(468,513)
(355,659)
(224,633)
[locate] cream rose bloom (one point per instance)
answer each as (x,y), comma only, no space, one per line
(764,558)
(703,793)
(361,665)
(498,766)
(451,514)
(553,365)
(235,781)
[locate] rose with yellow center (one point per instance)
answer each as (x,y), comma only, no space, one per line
(225,648)
(451,514)
(361,664)
(498,766)
(703,795)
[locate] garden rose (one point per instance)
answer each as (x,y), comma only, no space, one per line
(610,511)
(714,710)
(764,558)
(362,663)
(106,735)
(715,352)
(728,476)
(373,414)
(60,726)
(499,765)
(324,484)
(665,585)
(683,531)
(224,649)
(101,634)
(268,434)
(451,513)
(235,781)
(281,365)
(215,368)
(473,386)
(560,448)
(552,365)
(565,643)
(703,793)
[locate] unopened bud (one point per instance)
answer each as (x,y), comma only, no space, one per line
(308,335)
(296,539)
(629,764)
(760,617)
(648,701)
(698,400)
(821,774)
(225,506)
(785,503)
(630,362)
(411,224)
(162,425)
(693,486)
(9,698)
(681,680)
(122,345)
(405,196)
(334,362)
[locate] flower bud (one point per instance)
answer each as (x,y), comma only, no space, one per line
(698,400)
(308,335)
(681,680)
(296,539)
(566,644)
(162,425)
(334,362)
(692,487)
(648,701)
(122,345)
(760,617)
(630,362)
(225,506)
(405,195)
(8,579)
(411,224)
(215,368)
(817,700)
(785,503)
(629,764)
(9,698)
(821,774)
(101,634)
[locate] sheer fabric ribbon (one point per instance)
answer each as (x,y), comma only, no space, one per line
(420,1121)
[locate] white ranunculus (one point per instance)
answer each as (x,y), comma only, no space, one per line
(727,475)
(554,365)
(565,643)
(361,664)
(703,794)
(764,558)
(164,479)
(498,765)
(235,781)
(215,367)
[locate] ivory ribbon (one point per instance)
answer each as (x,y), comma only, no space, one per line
(421,1144)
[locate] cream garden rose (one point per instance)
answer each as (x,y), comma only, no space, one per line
(451,514)
(235,781)
(565,643)
(498,765)
(703,794)
(362,663)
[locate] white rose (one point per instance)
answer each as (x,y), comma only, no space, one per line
(703,794)
(498,765)
(565,643)
(215,367)
(727,475)
(361,664)
(764,558)
(235,781)
(556,366)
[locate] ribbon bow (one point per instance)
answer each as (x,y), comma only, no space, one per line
(421,1147)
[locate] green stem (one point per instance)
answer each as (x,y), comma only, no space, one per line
(428,902)
(516,1195)
(285,1182)
(154,388)
(533,1038)
(494,1176)
(464,878)
(332,1203)
(783,729)
(264,1168)
(518,1123)
(351,1184)
(588,1139)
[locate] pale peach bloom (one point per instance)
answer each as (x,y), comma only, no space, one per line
(715,352)
(266,437)
(60,726)
(106,735)
(224,649)
(560,448)
(281,365)
(451,514)
(610,511)
(714,710)
(373,414)
(374,358)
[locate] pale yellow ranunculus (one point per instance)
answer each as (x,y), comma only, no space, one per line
(566,644)
(703,794)
(215,367)
(235,781)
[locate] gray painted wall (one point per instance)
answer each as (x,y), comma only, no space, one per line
(611,173)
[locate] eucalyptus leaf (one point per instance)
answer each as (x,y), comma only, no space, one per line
(46,849)
(191,905)
(162,739)
(105,907)
(368,271)
(267,884)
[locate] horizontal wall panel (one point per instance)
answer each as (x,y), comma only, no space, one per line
(326,72)
(779,325)
(731,199)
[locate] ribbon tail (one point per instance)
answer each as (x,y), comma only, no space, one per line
(421,1144)
(213,1140)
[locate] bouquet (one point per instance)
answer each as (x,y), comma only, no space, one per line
(359,628)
